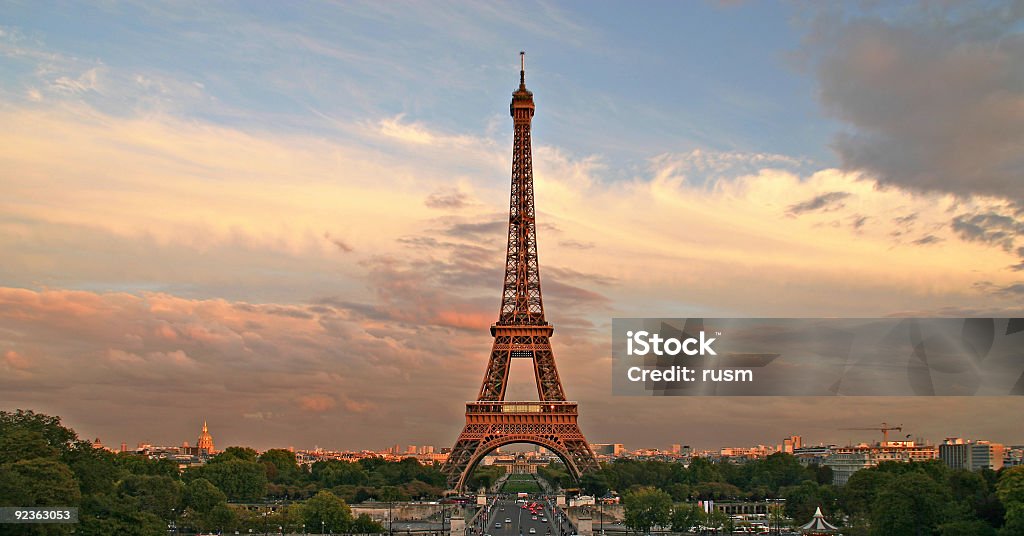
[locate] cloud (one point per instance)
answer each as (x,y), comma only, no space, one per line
(451,199)
(316,403)
(575,244)
(927,239)
(990,228)
(827,201)
(153,351)
(339,243)
(932,103)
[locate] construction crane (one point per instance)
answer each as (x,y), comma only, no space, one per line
(885,428)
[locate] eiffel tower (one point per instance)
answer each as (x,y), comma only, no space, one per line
(520,333)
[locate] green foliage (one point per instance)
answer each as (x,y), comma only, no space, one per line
(858,496)
(364,525)
(142,465)
(802,500)
(327,508)
(219,517)
(484,477)
(330,473)
(49,428)
(911,504)
(280,466)
(595,484)
(158,495)
(716,490)
(20,444)
(239,479)
(38,482)
(686,517)
(236,453)
(96,470)
(202,496)
(556,475)
(1010,490)
(976,527)
(647,507)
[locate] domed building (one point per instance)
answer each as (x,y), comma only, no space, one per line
(205,442)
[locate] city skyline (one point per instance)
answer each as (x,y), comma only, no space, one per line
(403,446)
(291,220)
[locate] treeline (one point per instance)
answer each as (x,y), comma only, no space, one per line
(244,475)
(43,463)
(890,499)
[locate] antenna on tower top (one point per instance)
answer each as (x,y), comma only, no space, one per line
(522,67)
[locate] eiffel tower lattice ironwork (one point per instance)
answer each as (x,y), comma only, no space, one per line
(520,332)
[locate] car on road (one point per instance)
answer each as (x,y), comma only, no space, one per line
(534,518)
(543,520)
(508,520)
(497,525)
(533,530)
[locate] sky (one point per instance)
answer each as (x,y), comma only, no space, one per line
(289,219)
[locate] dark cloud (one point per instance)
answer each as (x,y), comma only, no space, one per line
(569,274)
(933,103)
(827,201)
(1016,288)
(477,230)
(446,200)
(905,221)
(989,228)
(858,221)
(575,244)
(338,243)
(926,240)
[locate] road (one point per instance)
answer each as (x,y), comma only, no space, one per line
(520,520)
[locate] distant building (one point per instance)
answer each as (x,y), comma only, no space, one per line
(520,464)
(791,444)
(845,461)
(205,442)
(608,449)
(97,444)
(959,453)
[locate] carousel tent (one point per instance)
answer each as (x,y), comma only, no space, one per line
(818,525)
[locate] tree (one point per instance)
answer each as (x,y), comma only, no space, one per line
(1010,490)
(157,495)
(96,470)
(595,484)
(19,444)
(281,465)
(237,478)
(911,504)
(53,432)
(331,473)
(646,508)
(686,516)
(717,519)
(364,525)
(976,527)
(38,482)
(236,453)
(327,508)
(219,517)
(858,496)
(202,496)
(803,500)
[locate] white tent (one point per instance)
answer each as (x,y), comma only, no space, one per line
(818,524)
